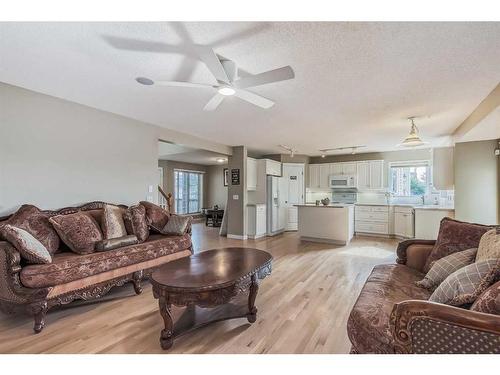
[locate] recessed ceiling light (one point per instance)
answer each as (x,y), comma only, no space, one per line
(227,91)
(220,160)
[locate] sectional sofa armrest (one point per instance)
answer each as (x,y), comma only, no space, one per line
(12,293)
(414,253)
(428,327)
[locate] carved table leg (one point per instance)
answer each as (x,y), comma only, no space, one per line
(252,310)
(136,281)
(166,336)
(38,309)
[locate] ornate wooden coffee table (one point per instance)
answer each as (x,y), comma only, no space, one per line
(210,279)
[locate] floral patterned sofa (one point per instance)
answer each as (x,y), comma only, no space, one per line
(35,288)
(392,314)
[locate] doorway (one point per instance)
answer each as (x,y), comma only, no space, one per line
(292,193)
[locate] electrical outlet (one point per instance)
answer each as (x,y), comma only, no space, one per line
(236,197)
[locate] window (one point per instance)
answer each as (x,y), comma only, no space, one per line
(187,192)
(409,179)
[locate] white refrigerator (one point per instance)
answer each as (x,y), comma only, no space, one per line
(275,211)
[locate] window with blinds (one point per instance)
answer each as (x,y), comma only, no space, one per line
(188,192)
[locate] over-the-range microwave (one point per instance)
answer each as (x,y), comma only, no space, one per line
(342,181)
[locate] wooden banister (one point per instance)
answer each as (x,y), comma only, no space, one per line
(168,197)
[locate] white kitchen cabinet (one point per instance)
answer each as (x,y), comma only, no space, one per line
(370,175)
(363,175)
(349,169)
(403,222)
(324,176)
(313,176)
(336,168)
(256,221)
(273,167)
(251,174)
(372,219)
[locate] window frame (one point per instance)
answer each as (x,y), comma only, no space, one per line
(187,174)
(411,163)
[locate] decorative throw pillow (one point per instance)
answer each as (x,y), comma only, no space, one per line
(79,231)
(466,284)
(157,216)
(489,301)
(444,267)
(489,246)
(36,223)
(455,236)
(177,225)
(112,222)
(136,223)
(28,246)
(114,243)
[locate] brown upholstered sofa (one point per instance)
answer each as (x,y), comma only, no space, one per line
(392,314)
(35,288)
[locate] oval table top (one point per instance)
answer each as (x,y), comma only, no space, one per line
(211,269)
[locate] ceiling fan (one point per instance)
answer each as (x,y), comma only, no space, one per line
(228,82)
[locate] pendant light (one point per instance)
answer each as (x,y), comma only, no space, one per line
(412,140)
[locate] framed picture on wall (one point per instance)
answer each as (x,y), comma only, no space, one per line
(226,176)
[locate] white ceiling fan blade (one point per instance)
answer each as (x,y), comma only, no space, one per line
(276,75)
(208,56)
(214,102)
(255,99)
(181,84)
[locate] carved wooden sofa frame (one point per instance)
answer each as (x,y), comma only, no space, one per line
(412,317)
(14,297)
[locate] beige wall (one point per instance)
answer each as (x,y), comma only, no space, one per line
(236,208)
(476,182)
(216,191)
(55,153)
(169,179)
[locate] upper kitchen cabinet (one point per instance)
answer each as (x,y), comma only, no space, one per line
(251,174)
(336,168)
(273,167)
(343,169)
(370,175)
(442,168)
(324,176)
(313,176)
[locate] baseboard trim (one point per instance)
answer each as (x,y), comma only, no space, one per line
(254,237)
(237,237)
(323,240)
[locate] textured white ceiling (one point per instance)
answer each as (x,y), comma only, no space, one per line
(169,151)
(355,82)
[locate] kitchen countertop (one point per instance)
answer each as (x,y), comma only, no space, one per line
(414,206)
(335,205)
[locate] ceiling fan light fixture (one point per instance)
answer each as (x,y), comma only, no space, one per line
(227,91)
(144,81)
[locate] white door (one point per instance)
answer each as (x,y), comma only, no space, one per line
(292,193)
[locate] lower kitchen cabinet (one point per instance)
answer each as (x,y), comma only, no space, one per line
(256,221)
(427,221)
(372,219)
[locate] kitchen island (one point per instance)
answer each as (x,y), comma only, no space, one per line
(333,223)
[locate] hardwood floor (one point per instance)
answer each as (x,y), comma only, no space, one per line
(302,307)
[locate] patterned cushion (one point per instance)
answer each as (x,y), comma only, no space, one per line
(79,231)
(67,267)
(115,243)
(368,326)
(444,267)
(112,222)
(466,284)
(136,223)
(177,225)
(36,223)
(489,301)
(28,246)
(455,236)
(489,246)
(157,216)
